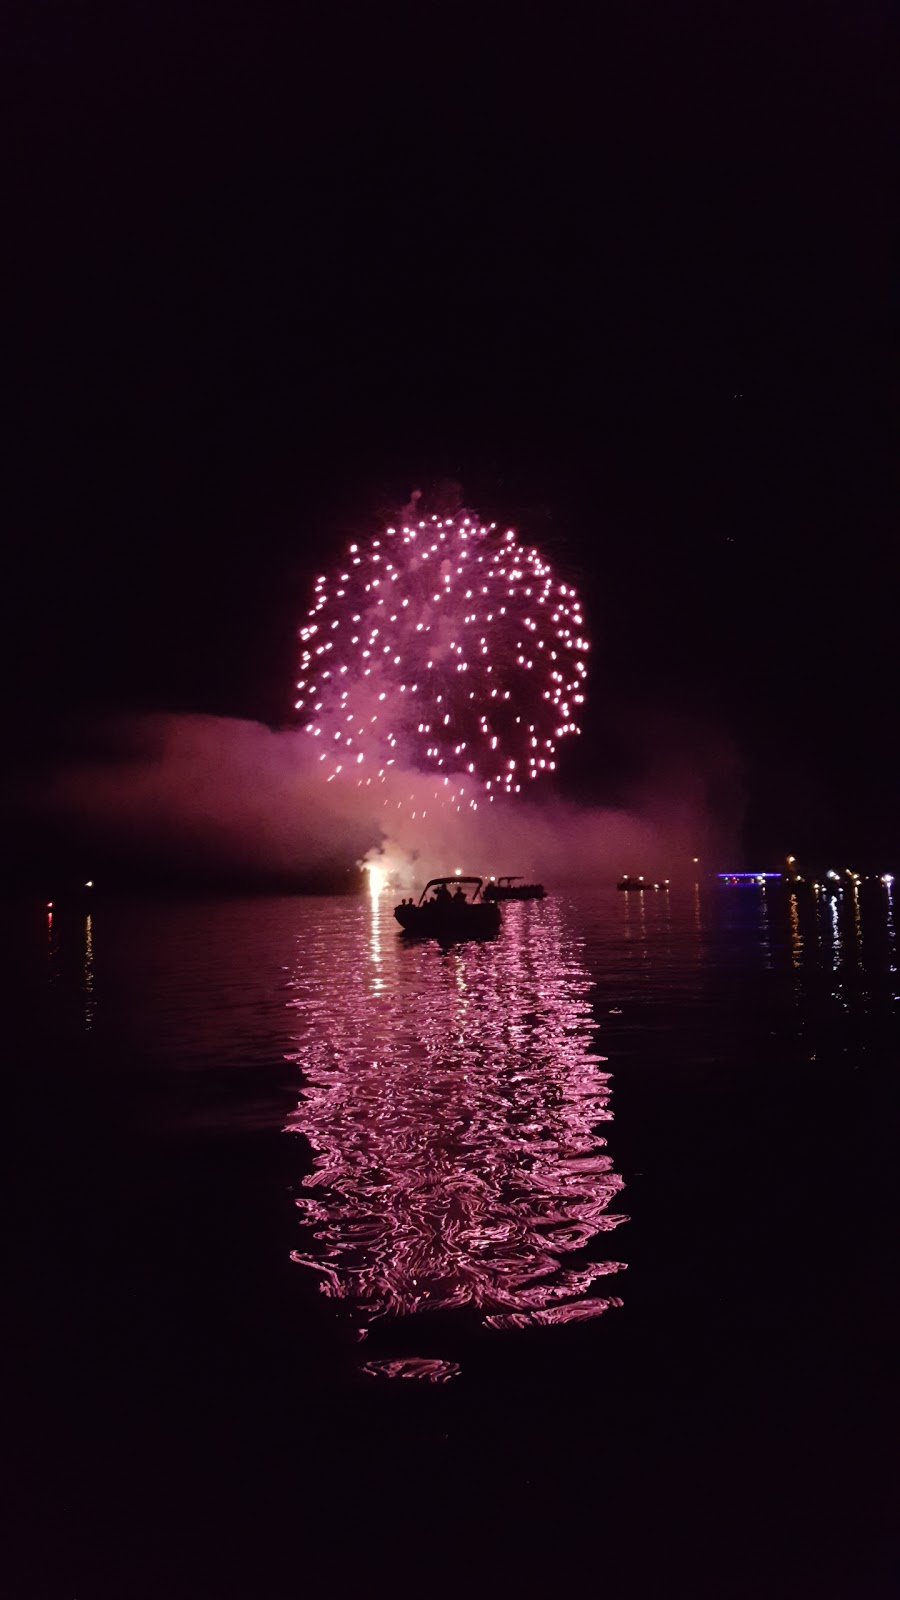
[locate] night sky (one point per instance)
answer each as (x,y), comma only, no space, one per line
(629,282)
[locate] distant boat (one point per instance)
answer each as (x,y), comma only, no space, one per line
(508,887)
(628,883)
(449,916)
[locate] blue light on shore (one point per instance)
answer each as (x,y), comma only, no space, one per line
(747,877)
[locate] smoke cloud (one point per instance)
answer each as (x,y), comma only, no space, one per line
(233,799)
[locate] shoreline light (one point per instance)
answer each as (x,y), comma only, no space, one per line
(746,877)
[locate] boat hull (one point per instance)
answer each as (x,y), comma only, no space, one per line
(481,921)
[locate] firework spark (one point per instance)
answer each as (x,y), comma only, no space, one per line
(446,647)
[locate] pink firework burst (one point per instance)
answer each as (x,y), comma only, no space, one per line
(447,647)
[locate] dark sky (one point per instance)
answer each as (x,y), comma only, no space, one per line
(628,280)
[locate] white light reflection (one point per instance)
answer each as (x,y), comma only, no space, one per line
(892,935)
(835,932)
(377,879)
(376,876)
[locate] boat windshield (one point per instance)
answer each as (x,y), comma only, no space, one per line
(447,885)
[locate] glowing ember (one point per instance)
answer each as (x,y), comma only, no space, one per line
(448,647)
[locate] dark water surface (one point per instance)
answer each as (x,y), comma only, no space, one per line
(340,1262)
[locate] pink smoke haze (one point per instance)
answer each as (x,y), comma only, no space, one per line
(216,792)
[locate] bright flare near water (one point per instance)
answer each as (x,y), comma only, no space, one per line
(448,648)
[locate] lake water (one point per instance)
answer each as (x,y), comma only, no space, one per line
(566,1257)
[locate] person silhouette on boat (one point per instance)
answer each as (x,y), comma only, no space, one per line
(442,895)
(459,895)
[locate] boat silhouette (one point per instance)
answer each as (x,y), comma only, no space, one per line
(508,887)
(450,916)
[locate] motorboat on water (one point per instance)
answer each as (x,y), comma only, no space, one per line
(628,883)
(450,913)
(508,887)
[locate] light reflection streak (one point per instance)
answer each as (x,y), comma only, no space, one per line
(452,1114)
(796,935)
(857,940)
(765,928)
(89,1002)
(892,937)
(377,982)
(832,904)
(52,946)
(840,945)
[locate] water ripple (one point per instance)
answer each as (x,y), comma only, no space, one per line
(452,1101)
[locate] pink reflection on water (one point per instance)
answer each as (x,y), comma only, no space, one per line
(451,1100)
(431,1371)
